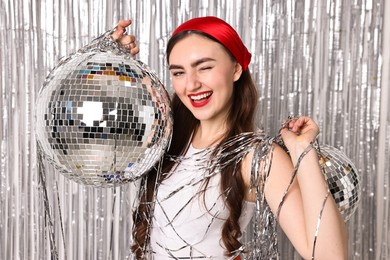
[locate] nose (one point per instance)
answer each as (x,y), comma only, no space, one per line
(193,81)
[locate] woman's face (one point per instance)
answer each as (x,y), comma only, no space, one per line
(203,74)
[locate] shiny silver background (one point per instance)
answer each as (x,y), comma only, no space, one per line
(329,59)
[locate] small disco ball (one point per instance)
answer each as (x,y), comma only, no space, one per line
(343,179)
(103,118)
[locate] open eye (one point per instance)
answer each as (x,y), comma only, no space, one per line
(177,73)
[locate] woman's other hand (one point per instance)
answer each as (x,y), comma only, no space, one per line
(127,41)
(298,134)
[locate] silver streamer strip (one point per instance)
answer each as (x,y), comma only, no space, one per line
(48,215)
(323,58)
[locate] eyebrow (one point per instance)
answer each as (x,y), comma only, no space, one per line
(193,65)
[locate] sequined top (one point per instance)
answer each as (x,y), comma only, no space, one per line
(187,223)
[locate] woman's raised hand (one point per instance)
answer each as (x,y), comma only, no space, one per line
(127,41)
(299,133)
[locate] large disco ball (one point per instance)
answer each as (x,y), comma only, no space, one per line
(103,118)
(343,179)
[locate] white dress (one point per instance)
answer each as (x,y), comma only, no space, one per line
(187,225)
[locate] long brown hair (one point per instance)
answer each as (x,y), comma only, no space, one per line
(240,119)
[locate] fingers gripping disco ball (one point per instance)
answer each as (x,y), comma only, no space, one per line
(103,118)
(343,179)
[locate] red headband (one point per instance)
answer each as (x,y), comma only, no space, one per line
(221,31)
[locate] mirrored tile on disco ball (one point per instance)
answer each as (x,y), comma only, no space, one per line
(343,179)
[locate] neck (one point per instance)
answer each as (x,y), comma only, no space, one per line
(207,135)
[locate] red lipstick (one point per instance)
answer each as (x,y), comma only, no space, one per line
(200,99)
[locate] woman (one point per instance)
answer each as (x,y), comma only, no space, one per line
(191,212)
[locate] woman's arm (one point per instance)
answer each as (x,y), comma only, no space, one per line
(302,205)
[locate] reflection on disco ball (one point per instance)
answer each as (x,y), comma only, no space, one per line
(103,118)
(343,179)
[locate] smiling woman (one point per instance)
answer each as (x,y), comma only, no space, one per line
(198,203)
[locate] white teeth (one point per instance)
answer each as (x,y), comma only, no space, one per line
(202,96)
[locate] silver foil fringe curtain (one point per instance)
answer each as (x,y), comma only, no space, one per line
(329,59)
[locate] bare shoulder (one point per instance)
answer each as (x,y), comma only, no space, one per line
(280,165)
(280,157)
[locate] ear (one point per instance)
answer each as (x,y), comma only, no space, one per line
(237,71)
